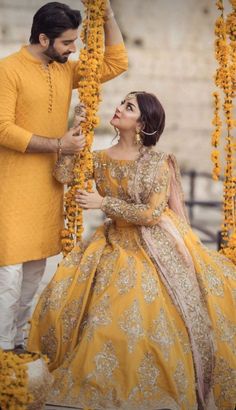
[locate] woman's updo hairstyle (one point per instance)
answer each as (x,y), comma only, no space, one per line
(152,117)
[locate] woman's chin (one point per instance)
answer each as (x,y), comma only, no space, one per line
(113,122)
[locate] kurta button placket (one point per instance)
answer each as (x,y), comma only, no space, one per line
(50,87)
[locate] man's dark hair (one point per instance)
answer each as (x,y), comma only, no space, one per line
(53,19)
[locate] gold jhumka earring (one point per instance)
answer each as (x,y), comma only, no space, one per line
(138,138)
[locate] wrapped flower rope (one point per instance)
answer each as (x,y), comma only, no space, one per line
(90,70)
(14,393)
(225,80)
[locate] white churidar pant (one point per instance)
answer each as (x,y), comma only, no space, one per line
(18,285)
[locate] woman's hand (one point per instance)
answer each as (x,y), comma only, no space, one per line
(88,200)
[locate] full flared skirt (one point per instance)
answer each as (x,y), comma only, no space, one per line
(115,338)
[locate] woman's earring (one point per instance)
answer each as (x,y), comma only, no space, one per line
(138,138)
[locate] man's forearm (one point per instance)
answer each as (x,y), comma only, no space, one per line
(72,142)
(112,32)
(39,144)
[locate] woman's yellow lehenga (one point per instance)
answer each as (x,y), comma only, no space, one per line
(143,317)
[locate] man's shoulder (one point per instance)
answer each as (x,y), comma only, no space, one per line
(10,61)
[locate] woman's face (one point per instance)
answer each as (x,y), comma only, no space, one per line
(127,114)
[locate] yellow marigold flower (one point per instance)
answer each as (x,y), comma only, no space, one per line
(91,58)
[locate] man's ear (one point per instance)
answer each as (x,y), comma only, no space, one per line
(44,40)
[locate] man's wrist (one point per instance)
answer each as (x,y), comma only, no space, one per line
(109,15)
(59,147)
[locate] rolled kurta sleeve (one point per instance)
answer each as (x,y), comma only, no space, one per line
(115,62)
(142,214)
(11,135)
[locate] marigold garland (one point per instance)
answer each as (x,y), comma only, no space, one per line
(90,70)
(14,393)
(225,79)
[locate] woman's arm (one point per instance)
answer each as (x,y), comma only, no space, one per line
(142,214)
(138,214)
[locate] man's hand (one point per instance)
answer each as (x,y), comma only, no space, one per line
(80,114)
(73,141)
(88,200)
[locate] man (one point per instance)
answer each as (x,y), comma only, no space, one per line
(35,94)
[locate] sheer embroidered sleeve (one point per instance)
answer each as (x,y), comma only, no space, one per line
(142,214)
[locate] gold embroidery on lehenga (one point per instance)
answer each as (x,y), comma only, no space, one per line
(88,264)
(149,283)
(105,364)
(184,341)
(131,323)
(224,379)
(127,276)
(223,264)
(99,315)
(49,343)
(105,269)
(69,318)
(54,295)
(62,386)
(91,396)
(215,285)
(122,238)
(148,373)
(181,381)
(73,258)
(160,332)
(226,330)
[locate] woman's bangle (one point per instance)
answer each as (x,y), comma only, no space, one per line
(59,147)
(109,16)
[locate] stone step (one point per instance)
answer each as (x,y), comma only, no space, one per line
(53,407)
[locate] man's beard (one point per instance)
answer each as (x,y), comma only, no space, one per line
(55,56)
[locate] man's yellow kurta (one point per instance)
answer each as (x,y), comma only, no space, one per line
(35,100)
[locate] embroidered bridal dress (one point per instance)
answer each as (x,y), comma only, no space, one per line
(143,317)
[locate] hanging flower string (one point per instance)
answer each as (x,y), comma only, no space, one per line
(225,79)
(215,157)
(90,70)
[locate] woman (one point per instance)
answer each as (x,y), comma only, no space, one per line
(141,318)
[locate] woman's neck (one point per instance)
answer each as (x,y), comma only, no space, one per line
(127,146)
(125,150)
